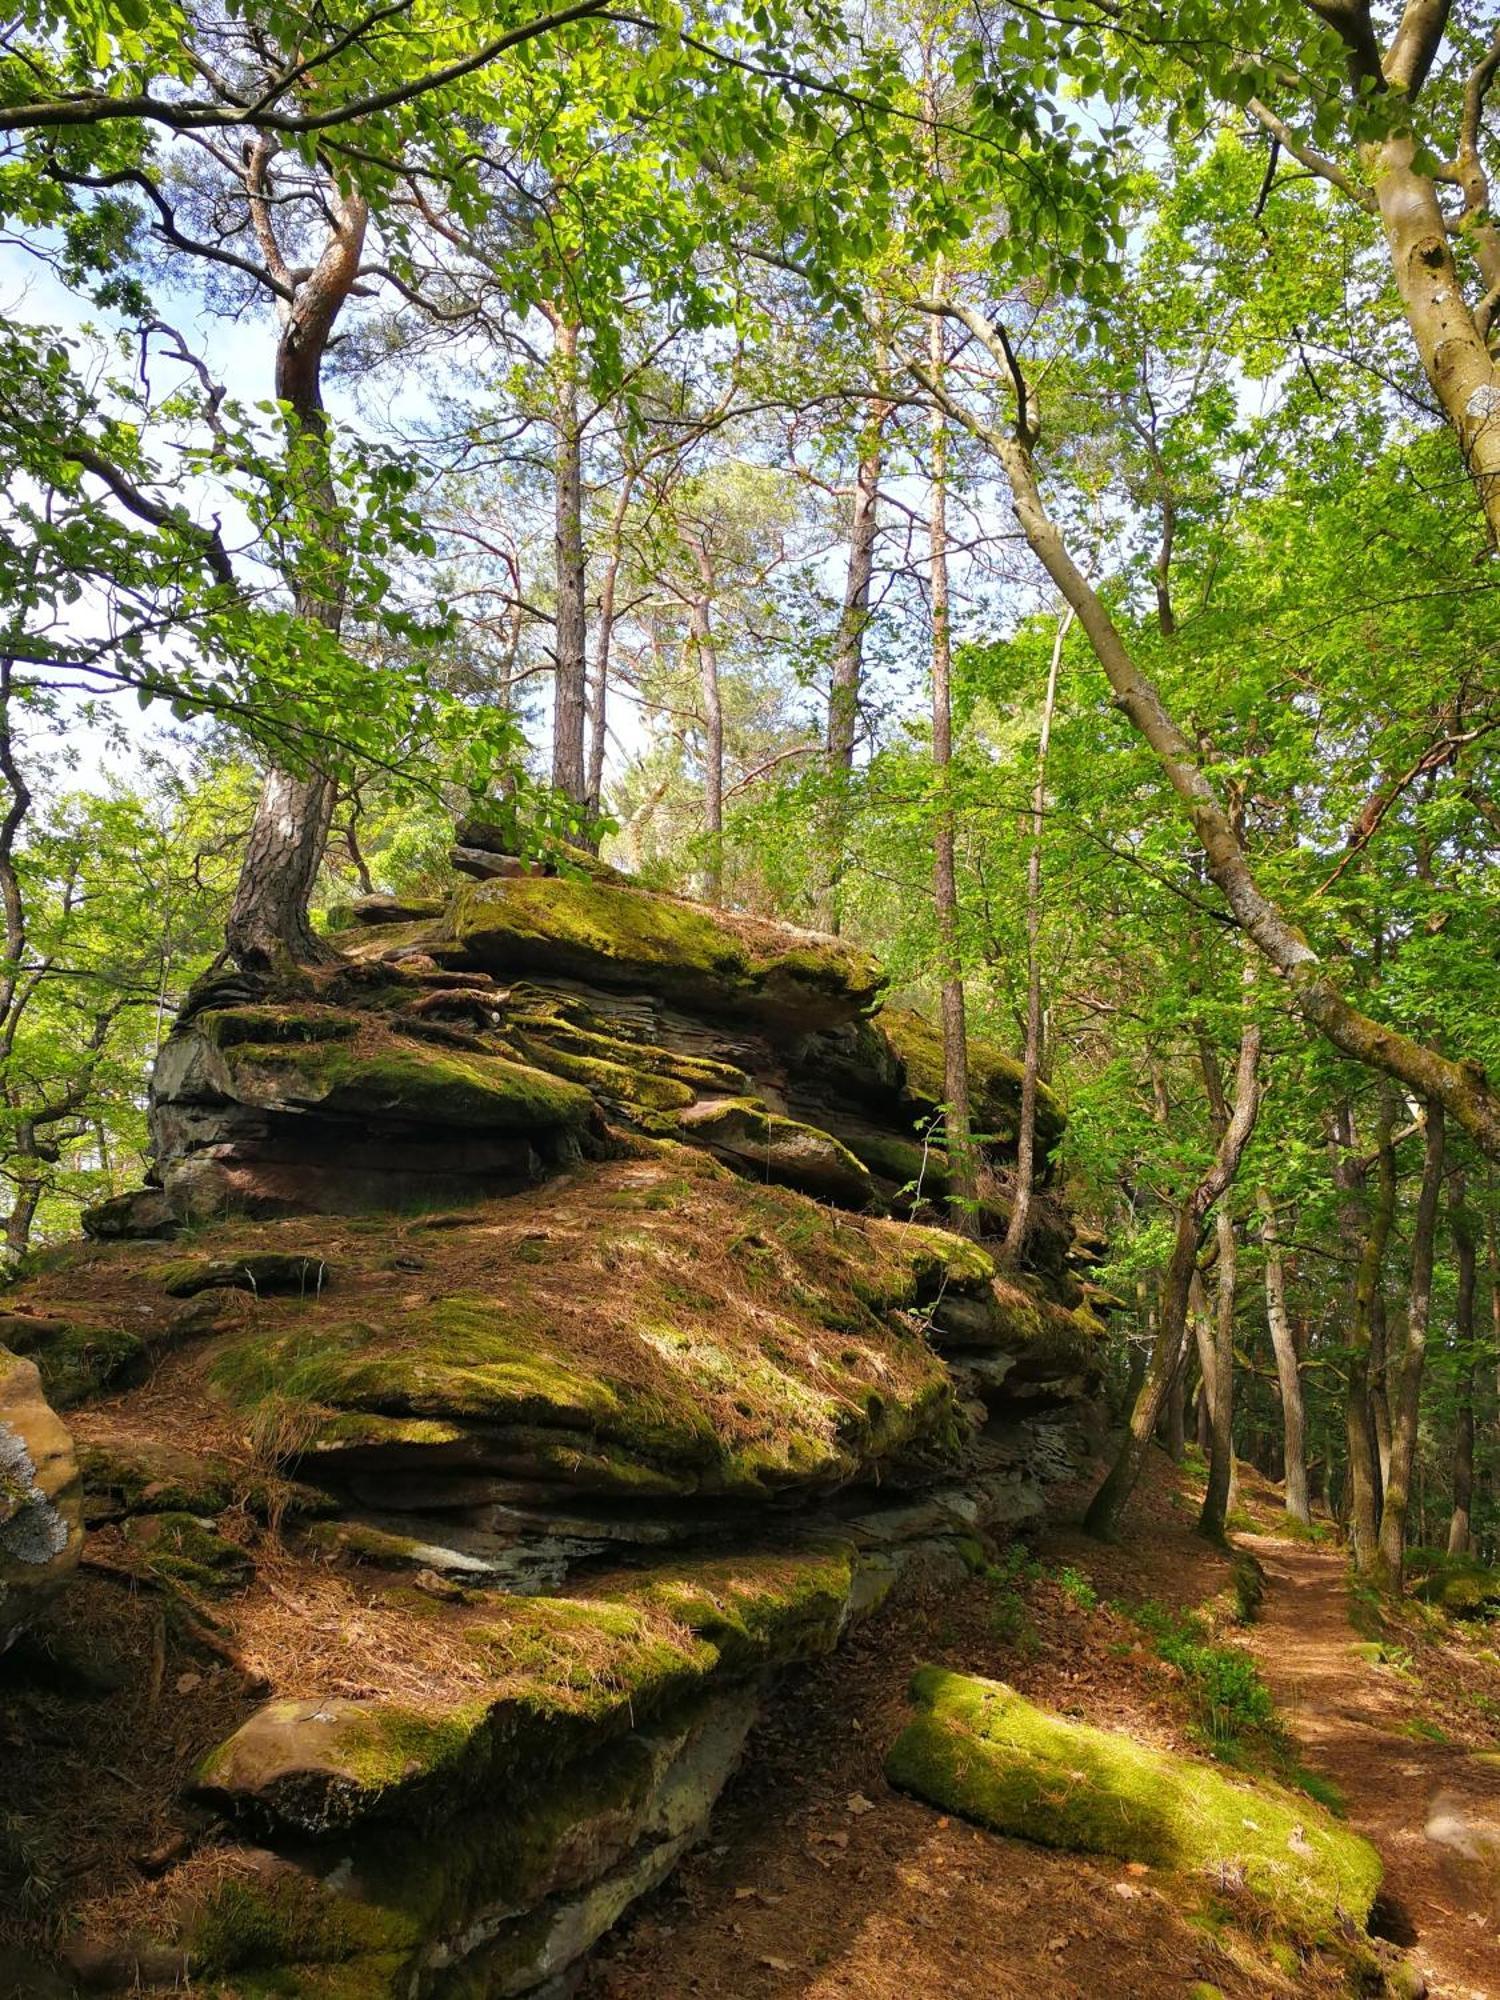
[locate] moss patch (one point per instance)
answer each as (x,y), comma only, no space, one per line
(977,1748)
(627,937)
(994,1079)
(410,1083)
(563,1675)
(76,1360)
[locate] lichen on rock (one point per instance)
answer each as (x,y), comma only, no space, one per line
(41,1531)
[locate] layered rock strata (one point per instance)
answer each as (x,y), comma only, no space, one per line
(537,1339)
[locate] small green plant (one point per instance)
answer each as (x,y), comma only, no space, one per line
(1076,1586)
(1231,1703)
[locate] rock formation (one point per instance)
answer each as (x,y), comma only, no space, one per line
(538,1336)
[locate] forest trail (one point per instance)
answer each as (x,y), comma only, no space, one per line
(1355,1720)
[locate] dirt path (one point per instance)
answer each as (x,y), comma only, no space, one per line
(1355,1719)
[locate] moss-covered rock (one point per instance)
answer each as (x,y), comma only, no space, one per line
(1463,1586)
(258,1271)
(977,1748)
(407,1083)
(564,1674)
(687,952)
(77,1359)
(994,1079)
(757,1142)
(138,1476)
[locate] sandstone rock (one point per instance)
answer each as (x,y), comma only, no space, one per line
(259,1271)
(41,1499)
(143,1212)
(620,936)
(381,910)
(765,1147)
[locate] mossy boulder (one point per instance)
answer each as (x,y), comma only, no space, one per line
(146,1476)
(41,1497)
(701,958)
(77,1358)
(755,1141)
(262,1272)
(1463,1586)
(554,1678)
(994,1080)
(979,1749)
(396,1080)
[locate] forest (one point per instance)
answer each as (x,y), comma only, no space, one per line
(1009,491)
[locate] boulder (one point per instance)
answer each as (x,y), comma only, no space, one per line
(143,1212)
(756,1142)
(41,1498)
(979,1749)
(616,936)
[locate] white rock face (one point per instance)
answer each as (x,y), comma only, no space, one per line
(41,1526)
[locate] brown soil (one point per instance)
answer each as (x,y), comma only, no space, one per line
(1359,1723)
(822,1882)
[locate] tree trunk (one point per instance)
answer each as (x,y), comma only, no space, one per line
(1108,1504)
(268,928)
(1384,1389)
(713,749)
(1465,1249)
(1025,1176)
(1218,1495)
(570,704)
(1288,1365)
(603,647)
(1392,1553)
(1367,1241)
(847,665)
(1453,351)
(962,1174)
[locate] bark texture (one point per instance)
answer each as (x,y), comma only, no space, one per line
(1109,1502)
(1288,1364)
(1025,1178)
(268,927)
(1392,1549)
(1465,1251)
(962,1174)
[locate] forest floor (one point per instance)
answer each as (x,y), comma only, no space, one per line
(820,1882)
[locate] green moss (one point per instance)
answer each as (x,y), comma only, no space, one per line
(414,1084)
(230,1027)
(259,1271)
(185,1549)
(911,1165)
(78,1361)
(280,1920)
(941,1261)
(977,1748)
(994,1079)
(605,1077)
(621,936)
(762,1610)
